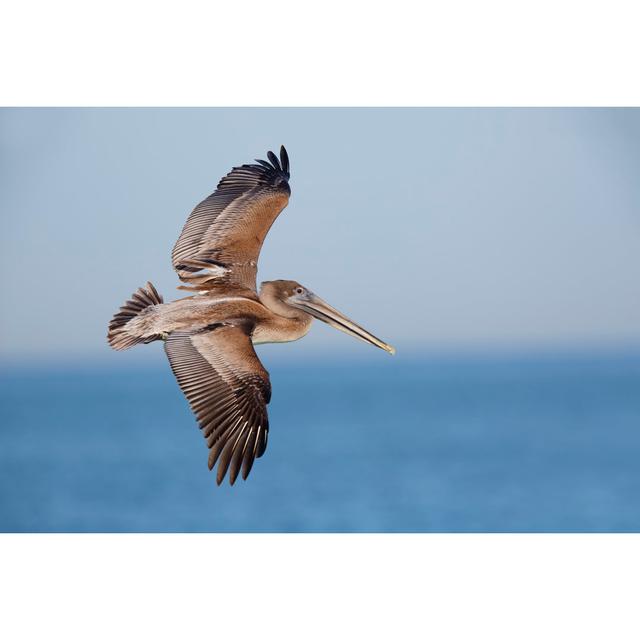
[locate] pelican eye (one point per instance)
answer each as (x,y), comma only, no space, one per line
(299,290)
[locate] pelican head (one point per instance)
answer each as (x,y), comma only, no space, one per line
(288,298)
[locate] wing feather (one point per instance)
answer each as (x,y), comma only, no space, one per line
(222,237)
(228,390)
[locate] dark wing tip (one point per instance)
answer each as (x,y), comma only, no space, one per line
(273,159)
(280,165)
(272,173)
(284,159)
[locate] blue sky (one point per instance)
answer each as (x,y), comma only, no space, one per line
(437,229)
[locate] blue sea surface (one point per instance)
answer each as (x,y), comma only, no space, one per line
(432,444)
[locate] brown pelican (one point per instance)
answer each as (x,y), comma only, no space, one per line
(209,336)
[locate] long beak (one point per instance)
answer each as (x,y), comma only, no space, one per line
(318,308)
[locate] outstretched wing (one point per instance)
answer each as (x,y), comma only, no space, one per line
(222,237)
(228,389)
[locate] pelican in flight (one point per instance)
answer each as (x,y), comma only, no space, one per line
(209,335)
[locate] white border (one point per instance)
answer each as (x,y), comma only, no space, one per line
(346,52)
(312,586)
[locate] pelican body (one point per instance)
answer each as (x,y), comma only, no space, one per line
(209,335)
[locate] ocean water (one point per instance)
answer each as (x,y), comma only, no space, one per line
(381,445)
